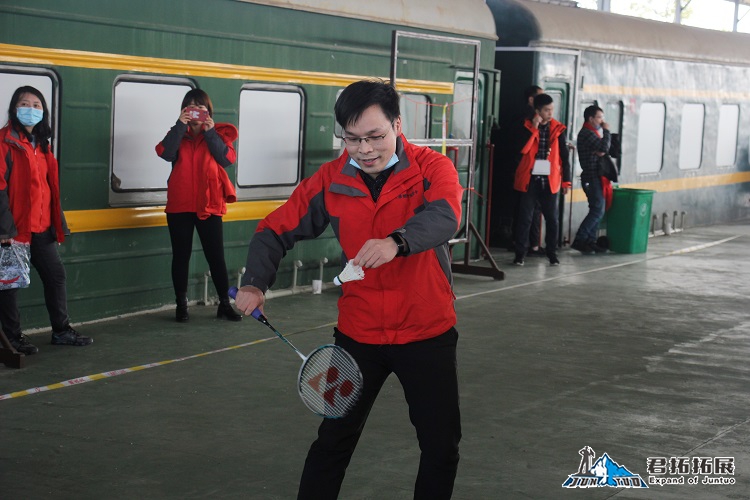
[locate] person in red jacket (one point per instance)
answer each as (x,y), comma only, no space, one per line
(543,170)
(393,207)
(198,191)
(30,212)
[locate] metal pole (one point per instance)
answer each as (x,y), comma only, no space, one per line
(736,15)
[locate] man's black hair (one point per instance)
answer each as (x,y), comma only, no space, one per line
(42,132)
(359,96)
(591,111)
(531,91)
(542,100)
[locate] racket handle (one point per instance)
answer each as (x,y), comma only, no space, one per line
(256,312)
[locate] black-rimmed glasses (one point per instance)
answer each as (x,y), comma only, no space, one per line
(373,140)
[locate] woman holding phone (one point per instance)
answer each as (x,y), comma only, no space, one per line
(198,191)
(30,212)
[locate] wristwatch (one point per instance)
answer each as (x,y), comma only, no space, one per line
(403,247)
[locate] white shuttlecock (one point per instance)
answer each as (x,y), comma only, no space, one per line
(350,273)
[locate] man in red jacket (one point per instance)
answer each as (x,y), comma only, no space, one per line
(543,170)
(393,207)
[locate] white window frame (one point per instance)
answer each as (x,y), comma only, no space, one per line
(264,133)
(149,122)
(652,119)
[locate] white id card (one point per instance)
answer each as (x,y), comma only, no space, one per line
(541,167)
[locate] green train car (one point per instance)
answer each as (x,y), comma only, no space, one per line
(114,74)
(677,96)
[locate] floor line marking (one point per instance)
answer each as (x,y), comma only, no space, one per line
(681,251)
(123,371)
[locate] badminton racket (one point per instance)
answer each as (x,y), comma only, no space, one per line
(329,380)
(350,273)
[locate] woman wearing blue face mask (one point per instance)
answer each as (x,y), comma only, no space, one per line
(30,212)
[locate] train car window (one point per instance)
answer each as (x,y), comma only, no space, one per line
(415,115)
(691,136)
(143,111)
(269,149)
(726,143)
(559,101)
(42,80)
(613,116)
(650,152)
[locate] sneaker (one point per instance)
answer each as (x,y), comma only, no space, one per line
(596,248)
(553,260)
(23,345)
(518,261)
(70,337)
(582,247)
(539,252)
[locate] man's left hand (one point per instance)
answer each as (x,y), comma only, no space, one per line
(374,253)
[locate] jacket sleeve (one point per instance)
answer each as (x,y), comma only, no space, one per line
(220,147)
(304,216)
(532,139)
(170,145)
(592,142)
(441,216)
(7,223)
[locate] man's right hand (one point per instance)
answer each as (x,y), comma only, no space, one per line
(536,120)
(605,125)
(248,299)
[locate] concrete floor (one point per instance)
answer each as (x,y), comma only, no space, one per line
(636,356)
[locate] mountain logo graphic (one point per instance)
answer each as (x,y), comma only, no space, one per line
(603,472)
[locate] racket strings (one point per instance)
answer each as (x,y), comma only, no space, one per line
(330,382)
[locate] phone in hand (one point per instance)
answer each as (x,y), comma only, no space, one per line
(197,114)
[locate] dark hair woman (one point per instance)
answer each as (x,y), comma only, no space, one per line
(198,191)
(30,212)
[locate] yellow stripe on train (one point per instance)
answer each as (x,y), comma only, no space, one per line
(683,184)
(107,219)
(100,60)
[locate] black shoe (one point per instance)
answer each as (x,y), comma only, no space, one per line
(23,345)
(181,313)
(582,247)
(70,337)
(518,261)
(226,311)
(539,252)
(596,248)
(553,260)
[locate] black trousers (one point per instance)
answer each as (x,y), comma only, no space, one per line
(539,192)
(46,260)
(428,375)
(211,234)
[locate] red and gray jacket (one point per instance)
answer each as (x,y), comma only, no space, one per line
(16,158)
(559,175)
(199,182)
(406,300)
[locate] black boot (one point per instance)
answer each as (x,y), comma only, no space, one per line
(226,311)
(181,313)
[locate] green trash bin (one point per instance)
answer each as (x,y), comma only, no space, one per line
(628,220)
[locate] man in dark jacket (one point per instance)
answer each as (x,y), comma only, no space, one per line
(593,143)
